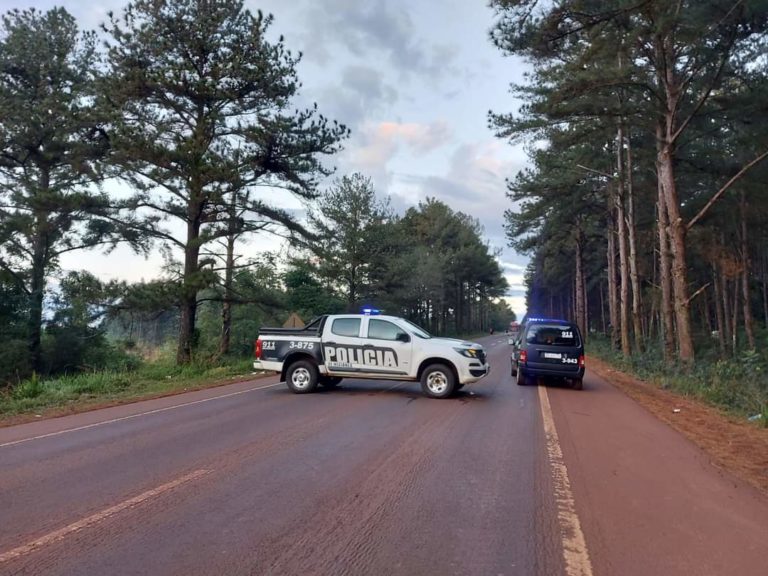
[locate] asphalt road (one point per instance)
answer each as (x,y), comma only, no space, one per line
(373,478)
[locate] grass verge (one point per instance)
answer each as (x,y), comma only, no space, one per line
(36,397)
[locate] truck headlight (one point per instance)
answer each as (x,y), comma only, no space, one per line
(467,352)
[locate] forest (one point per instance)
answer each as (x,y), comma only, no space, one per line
(644,208)
(174,128)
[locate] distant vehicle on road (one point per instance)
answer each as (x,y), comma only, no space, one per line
(548,348)
(370,346)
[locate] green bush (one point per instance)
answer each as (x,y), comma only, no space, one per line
(30,388)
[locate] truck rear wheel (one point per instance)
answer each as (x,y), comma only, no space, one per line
(438,381)
(302,377)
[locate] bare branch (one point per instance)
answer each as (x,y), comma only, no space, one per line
(699,291)
(722,190)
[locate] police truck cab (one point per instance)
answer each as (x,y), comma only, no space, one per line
(368,346)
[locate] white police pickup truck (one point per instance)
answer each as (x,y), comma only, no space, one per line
(378,347)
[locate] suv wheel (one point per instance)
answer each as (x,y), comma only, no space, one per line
(302,377)
(577,384)
(438,381)
(522,379)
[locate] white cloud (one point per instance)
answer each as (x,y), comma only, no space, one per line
(379,143)
(511,265)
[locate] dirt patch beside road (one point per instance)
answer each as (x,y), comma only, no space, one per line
(734,445)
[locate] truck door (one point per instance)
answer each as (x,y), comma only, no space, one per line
(341,341)
(387,348)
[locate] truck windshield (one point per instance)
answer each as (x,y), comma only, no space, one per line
(417,331)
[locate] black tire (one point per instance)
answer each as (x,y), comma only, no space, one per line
(438,381)
(514,367)
(522,379)
(330,381)
(577,384)
(302,377)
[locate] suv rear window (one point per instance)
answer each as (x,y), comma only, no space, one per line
(553,335)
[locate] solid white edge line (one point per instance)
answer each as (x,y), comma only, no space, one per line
(575,553)
(62,533)
(156,411)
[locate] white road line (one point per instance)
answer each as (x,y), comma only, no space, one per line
(575,551)
(156,411)
(62,533)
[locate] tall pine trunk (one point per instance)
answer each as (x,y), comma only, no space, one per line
(579,281)
(37,290)
(40,261)
(226,308)
(726,306)
(719,312)
(665,280)
(665,165)
(745,264)
(765,288)
(637,303)
(190,285)
(626,345)
(735,317)
(613,307)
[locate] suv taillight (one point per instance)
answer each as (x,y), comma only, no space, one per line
(582,361)
(257,349)
(523,356)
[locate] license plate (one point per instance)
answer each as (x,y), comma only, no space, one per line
(553,355)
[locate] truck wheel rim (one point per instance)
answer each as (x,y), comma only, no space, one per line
(300,378)
(437,382)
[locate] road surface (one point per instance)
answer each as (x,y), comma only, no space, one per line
(373,478)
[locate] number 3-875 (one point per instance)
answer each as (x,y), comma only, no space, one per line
(302,345)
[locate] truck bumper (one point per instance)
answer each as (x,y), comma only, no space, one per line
(472,374)
(545,371)
(267,366)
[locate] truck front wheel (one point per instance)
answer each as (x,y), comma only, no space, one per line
(302,377)
(438,381)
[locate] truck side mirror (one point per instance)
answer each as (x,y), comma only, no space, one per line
(403,337)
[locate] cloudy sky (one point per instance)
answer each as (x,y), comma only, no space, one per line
(414,82)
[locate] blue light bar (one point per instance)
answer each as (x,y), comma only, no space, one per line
(371,311)
(560,320)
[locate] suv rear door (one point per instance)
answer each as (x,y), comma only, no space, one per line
(553,346)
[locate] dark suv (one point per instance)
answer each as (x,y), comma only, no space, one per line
(547,348)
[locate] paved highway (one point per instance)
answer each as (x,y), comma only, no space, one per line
(373,478)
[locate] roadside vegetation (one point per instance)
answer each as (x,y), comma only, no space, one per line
(642,209)
(133,379)
(81,390)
